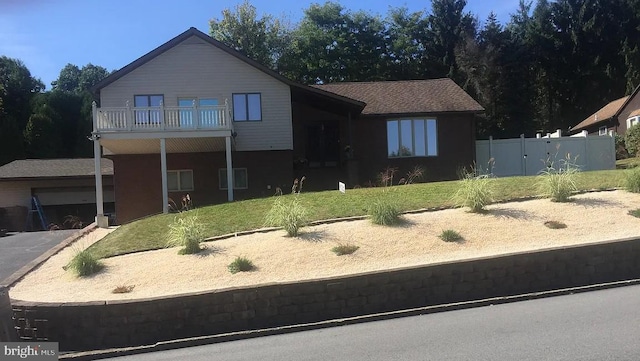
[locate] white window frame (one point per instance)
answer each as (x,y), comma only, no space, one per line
(222,177)
(602,130)
(632,121)
(247,117)
(413,137)
(180,188)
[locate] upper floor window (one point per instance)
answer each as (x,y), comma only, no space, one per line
(147,115)
(633,121)
(412,138)
(247,107)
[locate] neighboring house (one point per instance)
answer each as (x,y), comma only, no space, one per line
(65,187)
(615,117)
(194,116)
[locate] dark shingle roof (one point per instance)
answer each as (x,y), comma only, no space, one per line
(407,96)
(605,113)
(53,168)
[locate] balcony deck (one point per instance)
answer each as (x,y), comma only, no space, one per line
(161,119)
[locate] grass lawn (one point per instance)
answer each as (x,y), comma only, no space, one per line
(150,233)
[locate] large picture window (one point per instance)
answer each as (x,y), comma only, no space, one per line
(179,180)
(240,179)
(412,138)
(148,114)
(247,107)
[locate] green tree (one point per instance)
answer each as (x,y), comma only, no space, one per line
(263,39)
(18,88)
(331,44)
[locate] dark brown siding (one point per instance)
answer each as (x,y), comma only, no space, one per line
(138,183)
(456,148)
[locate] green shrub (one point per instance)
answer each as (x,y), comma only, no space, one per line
(632,141)
(555,225)
(632,178)
(288,214)
(84,264)
(240,264)
(635,213)
(186,232)
(449,235)
(475,191)
(383,211)
(343,249)
(621,148)
(559,184)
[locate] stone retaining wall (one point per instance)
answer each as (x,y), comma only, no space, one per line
(96,325)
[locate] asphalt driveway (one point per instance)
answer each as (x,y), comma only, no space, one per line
(19,249)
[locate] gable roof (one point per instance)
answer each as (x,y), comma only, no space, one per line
(407,96)
(604,114)
(53,168)
(295,87)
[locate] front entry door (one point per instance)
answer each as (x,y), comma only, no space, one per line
(323,145)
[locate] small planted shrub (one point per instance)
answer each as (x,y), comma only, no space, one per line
(475,192)
(240,264)
(383,211)
(635,213)
(288,214)
(122,289)
(84,264)
(559,184)
(187,232)
(449,235)
(632,141)
(632,178)
(555,225)
(343,249)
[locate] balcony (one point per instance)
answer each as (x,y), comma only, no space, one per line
(161,119)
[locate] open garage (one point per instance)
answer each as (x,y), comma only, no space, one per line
(65,189)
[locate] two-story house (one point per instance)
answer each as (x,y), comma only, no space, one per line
(615,117)
(196,117)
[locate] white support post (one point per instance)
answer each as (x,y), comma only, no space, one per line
(229,170)
(101,220)
(163,169)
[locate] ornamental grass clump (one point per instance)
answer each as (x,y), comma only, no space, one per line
(449,235)
(344,249)
(187,232)
(475,191)
(383,211)
(632,178)
(84,263)
(241,264)
(559,184)
(288,214)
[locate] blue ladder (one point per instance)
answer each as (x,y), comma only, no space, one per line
(36,207)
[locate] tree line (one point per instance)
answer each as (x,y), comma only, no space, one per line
(35,123)
(550,66)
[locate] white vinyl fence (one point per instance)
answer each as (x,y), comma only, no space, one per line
(529,156)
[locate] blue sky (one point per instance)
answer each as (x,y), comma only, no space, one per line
(48,34)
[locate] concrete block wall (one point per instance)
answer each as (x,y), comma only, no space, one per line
(95,325)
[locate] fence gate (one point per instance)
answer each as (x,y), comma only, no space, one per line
(529,156)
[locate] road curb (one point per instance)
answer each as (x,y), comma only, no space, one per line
(19,274)
(241,335)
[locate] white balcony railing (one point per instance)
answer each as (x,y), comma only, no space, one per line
(216,117)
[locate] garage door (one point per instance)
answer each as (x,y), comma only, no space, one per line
(71,195)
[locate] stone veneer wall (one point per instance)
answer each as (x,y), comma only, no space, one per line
(95,325)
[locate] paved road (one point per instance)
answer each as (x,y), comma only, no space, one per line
(599,326)
(19,249)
